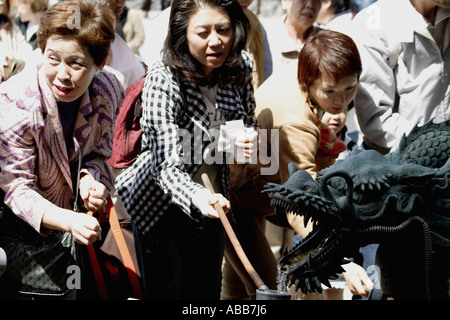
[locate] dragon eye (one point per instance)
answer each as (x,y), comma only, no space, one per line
(339,185)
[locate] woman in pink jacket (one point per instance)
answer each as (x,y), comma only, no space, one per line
(54,116)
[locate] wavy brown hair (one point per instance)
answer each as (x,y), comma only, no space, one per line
(95,29)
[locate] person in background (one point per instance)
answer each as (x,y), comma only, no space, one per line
(14,48)
(146,6)
(358,5)
(398,90)
(29,13)
(203,81)
(131,28)
(335,15)
(121,58)
(287,37)
(289,110)
(257,46)
(154,45)
(405,79)
(165,4)
(67,107)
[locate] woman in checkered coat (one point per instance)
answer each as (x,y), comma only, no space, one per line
(203,81)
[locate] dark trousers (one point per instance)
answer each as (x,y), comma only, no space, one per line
(181,260)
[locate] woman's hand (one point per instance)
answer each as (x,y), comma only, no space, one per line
(246,145)
(204,201)
(357,279)
(84,228)
(92,193)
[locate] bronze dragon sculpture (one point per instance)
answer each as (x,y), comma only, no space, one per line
(400,200)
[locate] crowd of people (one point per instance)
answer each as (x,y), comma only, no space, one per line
(330,77)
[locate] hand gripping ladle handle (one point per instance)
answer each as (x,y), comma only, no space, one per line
(234,240)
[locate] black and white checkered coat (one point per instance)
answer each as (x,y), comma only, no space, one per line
(162,174)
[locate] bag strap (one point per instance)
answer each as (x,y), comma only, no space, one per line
(103,292)
(120,241)
(124,253)
(123,248)
(77,185)
(91,251)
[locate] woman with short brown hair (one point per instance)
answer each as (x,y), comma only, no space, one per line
(329,54)
(55,139)
(289,108)
(74,19)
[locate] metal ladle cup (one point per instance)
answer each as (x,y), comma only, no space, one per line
(263,293)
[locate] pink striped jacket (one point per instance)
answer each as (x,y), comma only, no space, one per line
(36,169)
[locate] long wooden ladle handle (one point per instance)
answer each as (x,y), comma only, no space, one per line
(232,236)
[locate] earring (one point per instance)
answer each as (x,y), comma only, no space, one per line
(97,71)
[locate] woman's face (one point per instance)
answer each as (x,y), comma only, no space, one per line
(302,12)
(24,11)
(334,97)
(209,35)
(69,68)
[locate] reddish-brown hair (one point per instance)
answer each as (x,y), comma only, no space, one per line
(95,28)
(327,53)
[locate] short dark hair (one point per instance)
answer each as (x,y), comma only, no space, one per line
(340,5)
(95,29)
(176,51)
(328,53)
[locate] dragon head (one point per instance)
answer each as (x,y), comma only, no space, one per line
(308,264)
(365,189)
